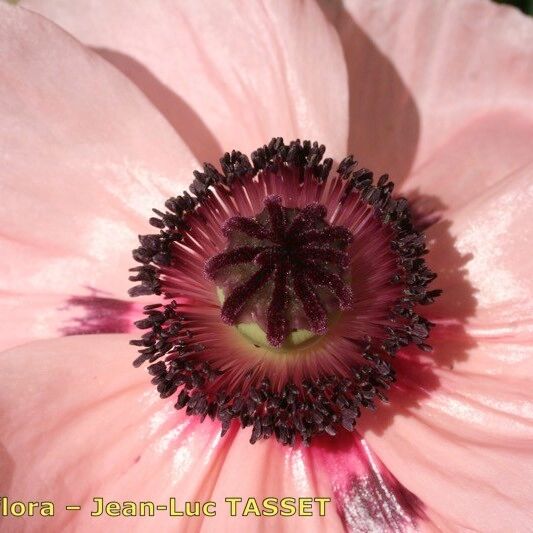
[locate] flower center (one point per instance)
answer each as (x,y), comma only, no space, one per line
(329,266)
(286,270)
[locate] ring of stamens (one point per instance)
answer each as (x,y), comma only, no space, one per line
(367,262)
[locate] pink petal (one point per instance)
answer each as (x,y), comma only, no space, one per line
(28,317)
(226,77)
(488,150)
(483,258)
(85,157)
(79,421)
(87,424)
(266,469)
(367,496)
(461,441)
(443,87)
(459,429)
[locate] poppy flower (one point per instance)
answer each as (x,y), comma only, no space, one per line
(284,291)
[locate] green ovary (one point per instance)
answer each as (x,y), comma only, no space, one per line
(253,333)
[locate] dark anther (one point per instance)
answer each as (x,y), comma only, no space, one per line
(287,268)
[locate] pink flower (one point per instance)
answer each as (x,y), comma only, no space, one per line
(94,135)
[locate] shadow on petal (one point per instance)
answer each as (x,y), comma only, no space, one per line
(384,120)
(187,124)
(416,370)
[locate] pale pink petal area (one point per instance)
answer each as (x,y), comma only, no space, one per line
(489,286)
(464,448)
(486,151)
(269,470)
(78,421)
(459,429)
(226,77)
(28,317)
(434,80)
(84,158)
(31,317)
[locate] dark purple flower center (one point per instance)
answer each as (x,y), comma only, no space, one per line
(286,269)
(292,247)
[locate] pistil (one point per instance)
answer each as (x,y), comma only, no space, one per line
(289,262)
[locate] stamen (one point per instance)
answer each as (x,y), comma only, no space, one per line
(331,259)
